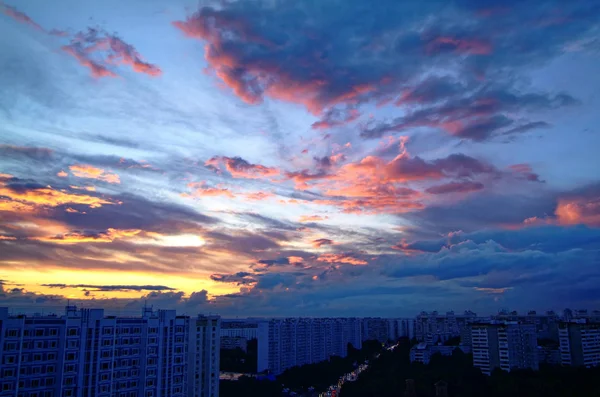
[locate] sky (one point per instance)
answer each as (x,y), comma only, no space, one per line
(305,158)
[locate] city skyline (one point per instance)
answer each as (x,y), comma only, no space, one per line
(303,159)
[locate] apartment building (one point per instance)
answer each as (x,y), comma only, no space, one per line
(433,327)
(203,362)
(84,353)
(579,342)
(299,341)
(506,345)
(375,328)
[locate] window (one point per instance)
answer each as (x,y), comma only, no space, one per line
(37,357)
(9,372)
(70,368)
(51,356)
(35,383)
(53,331)
(71,356)
(104,377)
(73,332)
(150,383)
(73,344)
(36,370)
(12,333)
(68,393)
(105,366)
(49,381)
(107,331)
(50,369)
(7,386)
(69,381)
(39,332)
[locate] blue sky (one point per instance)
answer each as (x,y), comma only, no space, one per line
(301,158)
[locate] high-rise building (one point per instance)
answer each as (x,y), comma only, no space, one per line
(375,328)
(504,345)
(401,328)
(203,360)
(433,327)
(299,341)
(579,343)
(85,353)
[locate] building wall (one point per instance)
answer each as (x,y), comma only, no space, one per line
(203,360)
(85,353)
(579,343)
(299,341)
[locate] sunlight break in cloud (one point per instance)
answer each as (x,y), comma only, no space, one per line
(90,172)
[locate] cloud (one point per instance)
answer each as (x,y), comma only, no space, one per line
(455,187)
(112,287)
(98,50)
(240,278)
(478,115)
(30,196)
(341,258)
(318,243)
(273,50)
(90,172)
(26,152)
(19,16)
(240,168)
(312,218)
(579,210)
(107,236)
(336,118)
(201,189)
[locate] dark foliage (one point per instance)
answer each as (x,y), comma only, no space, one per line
(386,377)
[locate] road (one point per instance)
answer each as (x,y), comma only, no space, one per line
(334,390)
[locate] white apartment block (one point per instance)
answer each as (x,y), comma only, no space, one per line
(87,354)
(203,366)
(579,343)
(504,345)
(298,341)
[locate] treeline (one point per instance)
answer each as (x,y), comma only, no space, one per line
(300,379)
(386,377)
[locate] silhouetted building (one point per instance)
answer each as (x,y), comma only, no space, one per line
(410,388)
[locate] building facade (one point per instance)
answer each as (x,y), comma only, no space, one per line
(505,345)
(299,341)
(579,343)
(84,353)
(203,362)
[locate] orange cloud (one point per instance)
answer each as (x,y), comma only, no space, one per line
(295,260)
(312,218)
(9,238)
(62,174)
(579,210)
(90,172)
(258,196)
(202,190)
(24,200)
(341,258)
(104,237)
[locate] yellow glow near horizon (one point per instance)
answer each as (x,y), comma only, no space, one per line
(31,280)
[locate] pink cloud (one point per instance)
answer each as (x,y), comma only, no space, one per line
(467,46)
(19,16)
(97,49)
(341,258)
